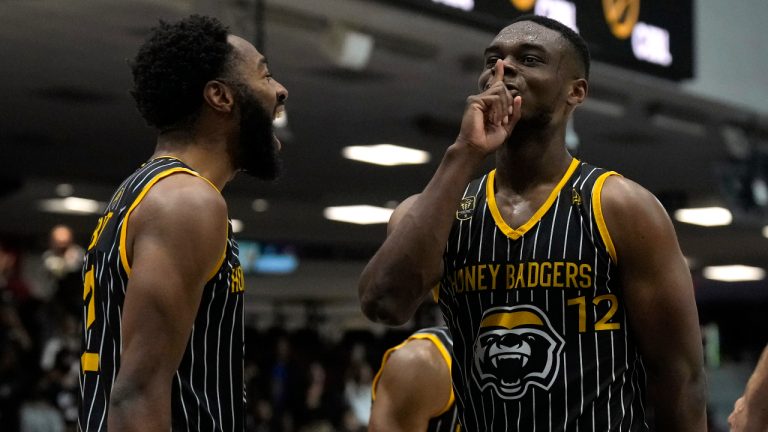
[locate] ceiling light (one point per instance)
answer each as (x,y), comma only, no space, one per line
(734,273)
(237,225)
(358,214)
(386,154)
(71,205)
(765,231)
(704,216)
(260,205)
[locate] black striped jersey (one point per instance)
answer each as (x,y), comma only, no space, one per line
(541,338)
(208,391)
(447,419)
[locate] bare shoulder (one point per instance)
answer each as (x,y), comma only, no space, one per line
(416,366)
(626,201)
(636,220)
(181,212)
(185,200)
(416,356)
(621,194)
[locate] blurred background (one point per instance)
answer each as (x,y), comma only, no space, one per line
(377,89)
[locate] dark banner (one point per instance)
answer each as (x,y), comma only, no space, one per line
(649,36)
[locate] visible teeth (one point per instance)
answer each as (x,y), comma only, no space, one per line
(525,361)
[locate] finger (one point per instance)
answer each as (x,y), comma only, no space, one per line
(498,75)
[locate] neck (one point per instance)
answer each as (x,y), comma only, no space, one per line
(532,157)
(205,153)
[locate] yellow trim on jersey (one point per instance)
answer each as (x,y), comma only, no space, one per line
(195,172)
(89,362)
(510,232)
(124,228)
(443,352)
(599,218)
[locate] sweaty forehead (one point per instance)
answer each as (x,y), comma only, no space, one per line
(528,32)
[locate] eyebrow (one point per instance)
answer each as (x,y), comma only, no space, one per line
(524,46)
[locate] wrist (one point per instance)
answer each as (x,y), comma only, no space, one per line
(466,152)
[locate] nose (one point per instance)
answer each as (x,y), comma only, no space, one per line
(282,93)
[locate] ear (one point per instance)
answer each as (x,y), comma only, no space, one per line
(577,92)
(218,96)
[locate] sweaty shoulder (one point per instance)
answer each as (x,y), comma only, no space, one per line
(419,369)
(632,214)
(183,210)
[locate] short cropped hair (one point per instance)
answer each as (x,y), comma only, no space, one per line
(578,43)
(173,66)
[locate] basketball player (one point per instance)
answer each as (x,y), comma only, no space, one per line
(750,413)
(163,315)
(563,284)
(412,391)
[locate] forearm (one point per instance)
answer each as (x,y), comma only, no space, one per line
(678,399)
(756,393)
(410,259)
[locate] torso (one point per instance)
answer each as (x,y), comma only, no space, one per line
(207,389)
(536,312)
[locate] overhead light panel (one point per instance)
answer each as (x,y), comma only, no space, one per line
(358,214)
(71,205)
(386,154)
(704,216)
(734,273)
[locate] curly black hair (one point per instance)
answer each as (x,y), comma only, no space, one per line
(577,42)
(172,67)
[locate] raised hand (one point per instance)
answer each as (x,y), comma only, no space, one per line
(491,115)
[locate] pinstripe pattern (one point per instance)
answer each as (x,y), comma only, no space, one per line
(207,389)
(536,314)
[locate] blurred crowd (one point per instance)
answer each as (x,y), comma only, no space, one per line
(296,380)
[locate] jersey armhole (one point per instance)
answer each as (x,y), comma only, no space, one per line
(137,201)
(597,207)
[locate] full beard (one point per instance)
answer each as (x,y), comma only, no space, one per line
(256,151)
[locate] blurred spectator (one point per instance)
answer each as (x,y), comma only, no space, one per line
(357,388)
(38,414)
(13,287)
(63,261)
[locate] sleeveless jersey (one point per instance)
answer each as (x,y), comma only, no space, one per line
(447,419)
(541,339)
(208,391)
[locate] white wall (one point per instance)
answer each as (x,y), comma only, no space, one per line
(731,52)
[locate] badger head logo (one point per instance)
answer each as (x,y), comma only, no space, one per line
(516,348)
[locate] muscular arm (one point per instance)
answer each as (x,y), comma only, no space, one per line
(414,385)
(409,263)
(750,412)
(660,303)
(175,239)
